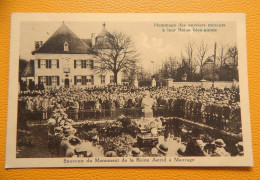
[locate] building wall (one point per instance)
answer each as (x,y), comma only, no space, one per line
(66,62)
(207,84)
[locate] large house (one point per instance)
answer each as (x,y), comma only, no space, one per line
(68,61)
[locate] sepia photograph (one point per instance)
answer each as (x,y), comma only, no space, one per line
(135,90)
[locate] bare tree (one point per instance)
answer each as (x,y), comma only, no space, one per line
(189,51)
(115,52)
(221,55)
(232,54)
(201,52)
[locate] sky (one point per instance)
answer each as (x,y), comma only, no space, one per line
(150,41)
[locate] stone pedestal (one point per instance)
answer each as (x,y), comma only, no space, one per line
(147,105)
(169,82)
(203,83)
(234,83)
(136,83)
(148,113)
(153,83)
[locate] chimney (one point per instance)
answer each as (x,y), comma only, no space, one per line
(38,44)
(93,39)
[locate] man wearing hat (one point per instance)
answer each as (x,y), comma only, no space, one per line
(68,131)
(162,149)
(73,144)
(82,151)
(136,152)
(181,150)
(240,149)
(220,151)
(111,154)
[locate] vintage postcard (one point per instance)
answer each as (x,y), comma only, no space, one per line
(122,90)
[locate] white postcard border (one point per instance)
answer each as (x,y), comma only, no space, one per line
(17,18)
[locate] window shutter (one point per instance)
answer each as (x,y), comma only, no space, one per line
(47,80)
(39,80)
(50,80)
(50,63)
(75,80)
(58,79)
(39,63)
(58,64)
(92,80)
(92,64)
(47,63)
(82,80)
(82,65)
(75,63)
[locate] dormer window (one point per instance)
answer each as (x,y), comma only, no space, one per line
(66,46)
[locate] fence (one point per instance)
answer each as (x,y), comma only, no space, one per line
(107,114)
(207,84)
(212,116)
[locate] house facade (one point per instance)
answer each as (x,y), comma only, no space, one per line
(65,60)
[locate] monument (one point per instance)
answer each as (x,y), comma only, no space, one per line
(147,105)
(203,83)
(136,83)
(169,82)
(153,83)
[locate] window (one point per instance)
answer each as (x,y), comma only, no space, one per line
(90,80)
(48,80)
(112,79)
(43,63)
(77,80)
(55,63)
(44,80)
(103,79)
(90,64)
(83,63)
(77,63)
(66,46)
(55,80)
(84,80)
(48,63)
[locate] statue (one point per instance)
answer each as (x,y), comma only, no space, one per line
(136,83)
(147,105)
(153,83)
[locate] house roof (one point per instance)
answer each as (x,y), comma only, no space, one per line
(104,32)
(88,42)
(55,44)
(29,70)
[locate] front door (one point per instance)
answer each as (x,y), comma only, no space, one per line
(67,83)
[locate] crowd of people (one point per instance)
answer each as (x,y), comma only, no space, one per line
(218,108)
(84,101)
